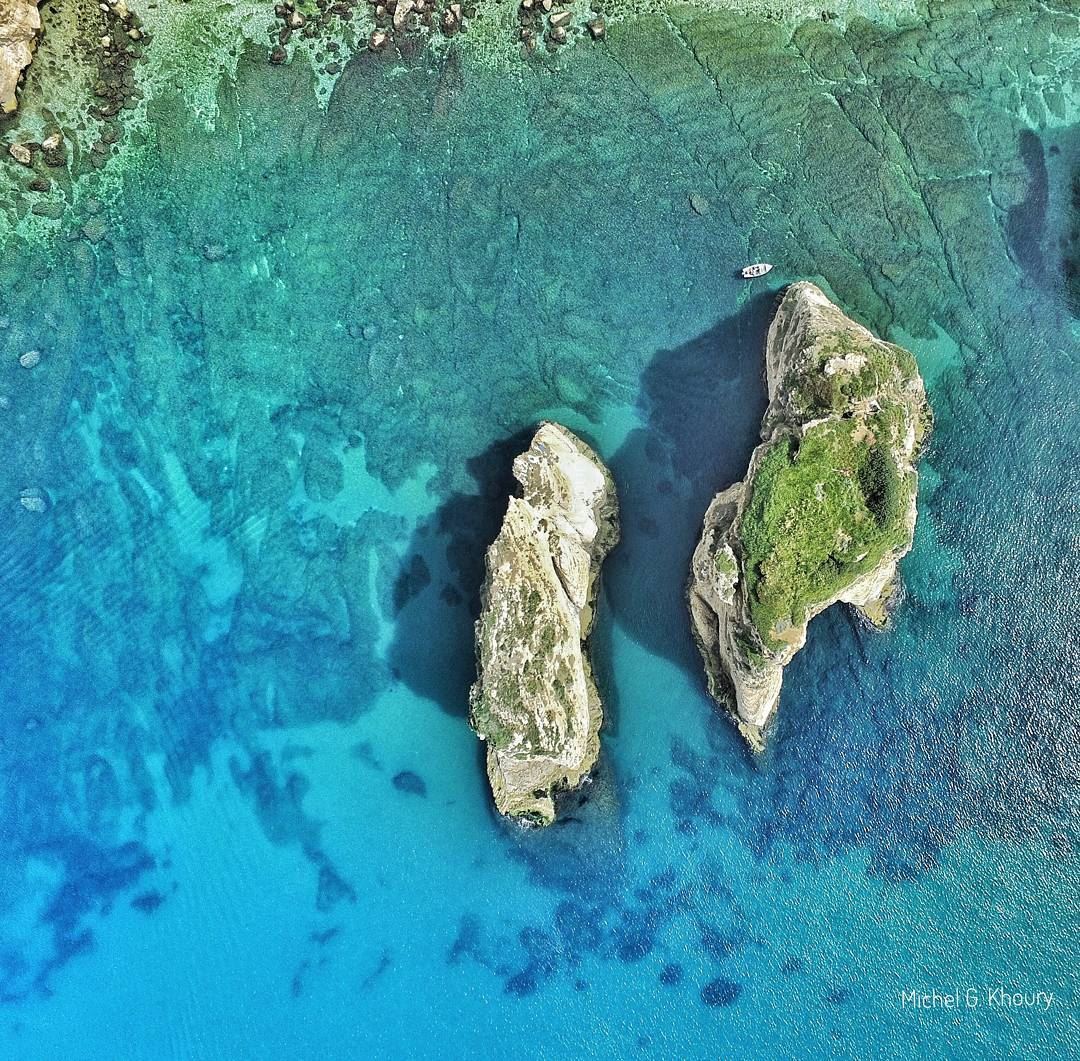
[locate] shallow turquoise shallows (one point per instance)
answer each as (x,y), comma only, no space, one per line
(242,814)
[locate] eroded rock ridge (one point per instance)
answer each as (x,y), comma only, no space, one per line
(535,703)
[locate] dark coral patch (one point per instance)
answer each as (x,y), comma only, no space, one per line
(467,942)
(719,945)
(332,889)
(412,783)
(632,944)
(721,992)
(792,965)
(521,984)
(671,974)
(147,902)
(837,996)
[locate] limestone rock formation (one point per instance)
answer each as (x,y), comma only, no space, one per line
(535,703)
(825,512)
(20,25)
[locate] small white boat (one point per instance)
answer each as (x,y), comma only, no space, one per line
(760,269)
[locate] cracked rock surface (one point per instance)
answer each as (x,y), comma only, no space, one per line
(825,512)
(535,702)
(20,24)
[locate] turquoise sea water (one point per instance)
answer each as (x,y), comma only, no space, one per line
(242,814)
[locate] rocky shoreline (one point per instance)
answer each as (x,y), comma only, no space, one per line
(20,27)
(825,512)
(535,703)
(102,69)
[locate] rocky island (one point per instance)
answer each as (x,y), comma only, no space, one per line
(535,703)
(825,512)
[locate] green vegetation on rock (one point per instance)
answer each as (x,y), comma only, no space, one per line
(725,565)
(868,368)
(827,508)
(831,494)
(823,510)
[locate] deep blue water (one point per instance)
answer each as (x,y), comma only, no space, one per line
(242,813)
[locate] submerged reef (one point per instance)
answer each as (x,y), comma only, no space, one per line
(826,510)
(117,81)
(80,97)
(535,702)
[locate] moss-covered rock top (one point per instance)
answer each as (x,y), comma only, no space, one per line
(827,507)
(832,490)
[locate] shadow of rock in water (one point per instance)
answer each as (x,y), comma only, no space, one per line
(1025,227)
(1070,225)
(703,403)
(432,651)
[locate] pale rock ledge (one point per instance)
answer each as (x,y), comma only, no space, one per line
(535,703)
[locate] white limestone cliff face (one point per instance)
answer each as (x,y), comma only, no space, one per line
(20,25)
(535,703)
